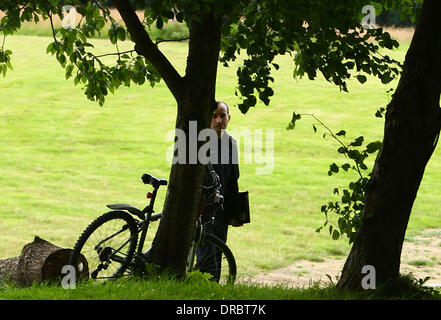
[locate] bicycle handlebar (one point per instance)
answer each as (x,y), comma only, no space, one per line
(213,174)
(213,191)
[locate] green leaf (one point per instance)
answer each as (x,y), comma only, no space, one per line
(342,150)
(373,146)
(357,142)
(62,59)
(121,33)
(333,167)
(77,79)
(50,47)
(354,154)
(379,113)
(346,198)
(296,116)
(159,23)
(69,70)
(112,34)
(292,124)
(361,78)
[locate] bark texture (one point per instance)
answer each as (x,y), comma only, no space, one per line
(39,261)
(411,133)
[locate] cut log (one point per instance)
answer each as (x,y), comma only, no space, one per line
(8,269)
(39,261)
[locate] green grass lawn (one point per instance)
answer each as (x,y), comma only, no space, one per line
(63,158)
(195,287)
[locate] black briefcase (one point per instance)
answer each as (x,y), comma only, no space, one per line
(243,207)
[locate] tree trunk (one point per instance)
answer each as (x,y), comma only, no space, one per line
(39,261)
(173,239)
(195,96)
(411,132)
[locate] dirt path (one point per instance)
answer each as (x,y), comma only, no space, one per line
(421,256)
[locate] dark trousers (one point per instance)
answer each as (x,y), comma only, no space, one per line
(208,257)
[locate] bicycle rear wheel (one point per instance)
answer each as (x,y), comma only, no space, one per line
(108,245)
(211,255)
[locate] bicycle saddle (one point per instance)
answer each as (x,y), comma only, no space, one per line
(155,182)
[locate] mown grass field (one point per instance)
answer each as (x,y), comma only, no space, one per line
(63,158)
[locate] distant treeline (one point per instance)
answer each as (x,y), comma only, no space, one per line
(392,18)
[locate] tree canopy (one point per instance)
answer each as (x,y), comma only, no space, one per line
(321,36)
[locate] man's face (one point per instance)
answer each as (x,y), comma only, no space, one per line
(220,118)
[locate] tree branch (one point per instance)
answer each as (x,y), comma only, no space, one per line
(171,40)
(145,47)
(54,33)
(114,54)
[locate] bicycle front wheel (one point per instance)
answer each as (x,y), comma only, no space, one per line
(106,247)
(211,255)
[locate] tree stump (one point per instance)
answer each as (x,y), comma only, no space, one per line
(39,261)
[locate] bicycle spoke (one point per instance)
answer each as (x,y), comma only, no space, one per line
(108,245)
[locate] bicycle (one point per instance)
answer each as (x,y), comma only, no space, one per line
(109,248)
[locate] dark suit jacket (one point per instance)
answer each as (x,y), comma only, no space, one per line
(227,168)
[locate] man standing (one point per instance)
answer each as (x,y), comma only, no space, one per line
(227,168)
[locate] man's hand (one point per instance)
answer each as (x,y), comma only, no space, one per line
(236,223)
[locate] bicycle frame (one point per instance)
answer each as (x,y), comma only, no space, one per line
(146,215)
(198,234)
(144,224)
